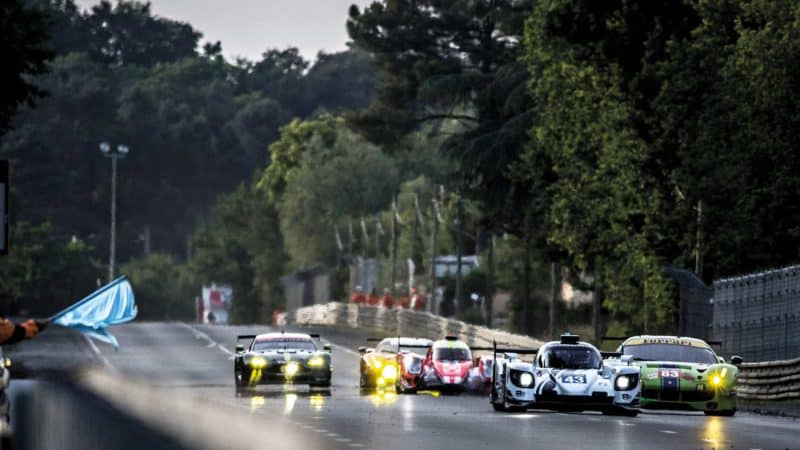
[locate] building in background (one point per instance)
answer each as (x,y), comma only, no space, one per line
(214,304)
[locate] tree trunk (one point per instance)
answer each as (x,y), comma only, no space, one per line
(555,295)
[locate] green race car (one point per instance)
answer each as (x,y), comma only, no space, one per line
(683,373)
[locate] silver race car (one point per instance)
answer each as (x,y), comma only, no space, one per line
(565,375)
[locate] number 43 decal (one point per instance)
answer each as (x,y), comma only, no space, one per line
(669,373)
(579,379)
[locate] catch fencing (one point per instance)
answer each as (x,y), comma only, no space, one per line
(401,322)
(757,316)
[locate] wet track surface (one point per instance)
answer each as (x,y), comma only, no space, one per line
(195,360)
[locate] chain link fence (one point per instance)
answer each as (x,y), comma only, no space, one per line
(757,316)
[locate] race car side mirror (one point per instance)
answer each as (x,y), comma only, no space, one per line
(362,350)
(627,359)
(239,348)
(327,347)
(736,360)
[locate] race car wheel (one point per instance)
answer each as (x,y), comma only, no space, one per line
(500,400)
(238,379)
(724,413)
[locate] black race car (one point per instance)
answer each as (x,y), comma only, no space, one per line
(281,358)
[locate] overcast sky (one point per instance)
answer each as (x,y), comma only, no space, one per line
(248,27)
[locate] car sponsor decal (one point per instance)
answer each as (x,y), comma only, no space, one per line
(670,376)
(688,342)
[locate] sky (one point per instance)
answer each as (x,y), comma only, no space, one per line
(249,27)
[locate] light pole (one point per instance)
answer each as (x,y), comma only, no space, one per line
(114,153)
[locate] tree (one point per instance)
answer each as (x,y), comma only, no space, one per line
(44,273)
(349,179)
(127,33)
(161,287)
(241,245)
(25,54)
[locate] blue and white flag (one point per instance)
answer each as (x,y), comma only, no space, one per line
(112,304)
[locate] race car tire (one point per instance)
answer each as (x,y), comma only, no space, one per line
(238,379)
(723,413)
(503,406)
(400,388)
(364,379)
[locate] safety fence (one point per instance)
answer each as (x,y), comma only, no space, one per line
(405,322)
(757,316)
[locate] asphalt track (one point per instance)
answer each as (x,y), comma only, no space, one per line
(195,360)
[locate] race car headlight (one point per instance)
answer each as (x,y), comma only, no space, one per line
(716,380)
(389,372)
(258,362)
(626,382)
(291,369)
(521,378)
(316,361)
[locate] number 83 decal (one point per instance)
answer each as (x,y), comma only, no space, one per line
(669,373)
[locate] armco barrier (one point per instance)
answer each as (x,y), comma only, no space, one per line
(771,381)
(388,321)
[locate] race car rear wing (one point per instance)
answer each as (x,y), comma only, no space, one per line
(518,350)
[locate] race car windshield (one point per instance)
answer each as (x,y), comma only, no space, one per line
(451,354)
(670,352)
(272,345)
(569,357)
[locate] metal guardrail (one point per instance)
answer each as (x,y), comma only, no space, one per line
(769,381)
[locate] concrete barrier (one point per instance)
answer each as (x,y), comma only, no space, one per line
(405,322)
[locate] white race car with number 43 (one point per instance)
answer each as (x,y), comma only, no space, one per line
(565,375)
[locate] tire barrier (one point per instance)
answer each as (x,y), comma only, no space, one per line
(405,322)
(771,381)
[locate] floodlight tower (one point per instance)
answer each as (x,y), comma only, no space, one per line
(114,153)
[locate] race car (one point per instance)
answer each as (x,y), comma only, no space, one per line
(565,375)
(446,366)
(480,376)
(280,358)
(682,373)
(391,362)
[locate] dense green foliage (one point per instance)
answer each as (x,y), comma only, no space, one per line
(197,125)
(610,138)
(24,32)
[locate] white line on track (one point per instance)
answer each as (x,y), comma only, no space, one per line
(668,431)
(99,354)
(343,440)
(354,445)
(346,350)
(200,335)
